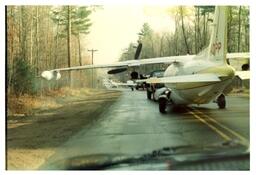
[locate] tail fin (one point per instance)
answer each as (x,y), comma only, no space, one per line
(217,49)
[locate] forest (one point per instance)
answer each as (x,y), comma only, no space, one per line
(192,33)
(47,37)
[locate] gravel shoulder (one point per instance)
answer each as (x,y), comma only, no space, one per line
(31,139)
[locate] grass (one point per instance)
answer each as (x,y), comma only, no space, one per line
(240,92)
(28,104)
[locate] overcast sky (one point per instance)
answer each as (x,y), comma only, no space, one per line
(115,26)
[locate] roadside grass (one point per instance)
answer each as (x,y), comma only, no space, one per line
(240,92)
(40,124)
(27,104)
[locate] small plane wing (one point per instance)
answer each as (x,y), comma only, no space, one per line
(244,75)
(185,79)
(122,65)
(239,55)
(111,83)
(141,81)
(130,63)
(134,63)
(51,74)
(128,83)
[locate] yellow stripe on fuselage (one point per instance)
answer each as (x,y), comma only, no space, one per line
(224,72)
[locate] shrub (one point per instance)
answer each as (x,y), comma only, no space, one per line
(23,78)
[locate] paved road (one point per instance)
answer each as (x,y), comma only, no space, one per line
(134,125)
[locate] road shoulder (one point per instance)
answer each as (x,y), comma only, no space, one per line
(32,139)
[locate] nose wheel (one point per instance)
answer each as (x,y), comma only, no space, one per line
(162,105)
(221,101)
(148,94)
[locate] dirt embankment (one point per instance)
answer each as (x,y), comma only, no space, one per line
(32,138)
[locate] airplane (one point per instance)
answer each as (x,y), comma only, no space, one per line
(109,83)
(112,84)
(189,79)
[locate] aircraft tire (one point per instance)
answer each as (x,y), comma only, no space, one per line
(221,101)
(162,105)
(148,94)
(154,98)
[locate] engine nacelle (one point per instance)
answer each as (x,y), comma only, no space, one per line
(51,75)
(116,71)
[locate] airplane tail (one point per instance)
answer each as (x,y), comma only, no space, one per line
(217,49)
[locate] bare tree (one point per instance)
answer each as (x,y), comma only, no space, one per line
(181,10)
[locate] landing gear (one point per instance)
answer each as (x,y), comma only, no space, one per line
(149,94)
(221,101)
(162,105)
(154,96)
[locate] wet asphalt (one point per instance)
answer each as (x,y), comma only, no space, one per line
(133,125)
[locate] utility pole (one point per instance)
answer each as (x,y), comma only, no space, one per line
(92,51)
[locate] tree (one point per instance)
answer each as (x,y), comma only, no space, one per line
(205,11)
(76,22)
(79,21)
(146,37)
(239,29)
(69,37)
(81,26)
(181,11)
(24,77)
(182,15)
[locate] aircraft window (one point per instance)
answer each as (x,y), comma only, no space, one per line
(158,74)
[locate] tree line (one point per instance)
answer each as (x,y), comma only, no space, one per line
(191,33)
(41,38)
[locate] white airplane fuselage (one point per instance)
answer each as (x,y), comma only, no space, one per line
(199,92)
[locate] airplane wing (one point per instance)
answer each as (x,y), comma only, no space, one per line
(141,81)
(126,84)
(158,60)
(119,66)
(110,83)
(185,79)
(123,65)
(131,63)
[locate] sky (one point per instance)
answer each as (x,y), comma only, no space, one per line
(115,26)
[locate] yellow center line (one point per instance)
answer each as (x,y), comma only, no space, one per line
(243,139)
(223,135)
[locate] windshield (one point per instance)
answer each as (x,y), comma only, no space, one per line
(71,94)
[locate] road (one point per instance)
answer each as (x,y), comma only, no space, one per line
(133,125)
